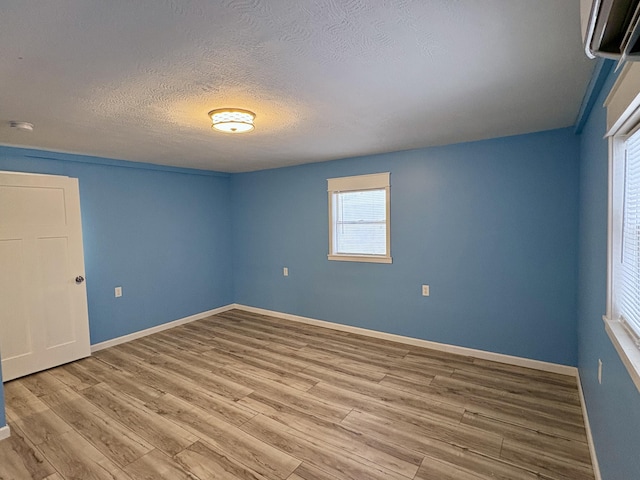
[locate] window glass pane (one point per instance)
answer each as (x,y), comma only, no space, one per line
(362,239)
(359,220)
(365,206)
(629,272)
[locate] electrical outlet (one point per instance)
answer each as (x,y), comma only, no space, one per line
(118,292)
(425,290)
(285,271)
(600,371)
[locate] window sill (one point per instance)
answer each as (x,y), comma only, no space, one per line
(626,348)
(360,258)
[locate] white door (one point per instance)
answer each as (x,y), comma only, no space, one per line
(43,306)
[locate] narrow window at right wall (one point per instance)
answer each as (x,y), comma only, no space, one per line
(622,321)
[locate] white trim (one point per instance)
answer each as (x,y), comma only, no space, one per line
(5,432)
(624,98)
(361,258)
(587,426)
(625,346)
(359,183)
(609,305)
(370,181)
(165,326)
(7,172)
(443,347)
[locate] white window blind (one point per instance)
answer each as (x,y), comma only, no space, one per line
(359,218)
(628,274)
(360,222)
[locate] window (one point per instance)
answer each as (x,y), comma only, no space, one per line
(359,228)
(622,321)
(627,268)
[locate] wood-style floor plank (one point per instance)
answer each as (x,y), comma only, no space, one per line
(20,458)
(156,464)
(75,458)
(387,455)
(530,389)
(551,408)
(206,462)
(155,429)
(321,454)
(41,426)
(548,464)
(307,471)
(110,437)
(243,396)
(546,444)
(20,401)
(435,410)
(458,435)
(537,418)
(42,383)
(65,375)
(225,437)
(178,386)
(433,469)
(54,476)
(124,381)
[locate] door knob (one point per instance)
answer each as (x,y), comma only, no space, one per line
(79,279)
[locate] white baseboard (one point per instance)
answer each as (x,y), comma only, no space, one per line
(443,347)
(587,426)
(5,432)
(470,352)
(165,326)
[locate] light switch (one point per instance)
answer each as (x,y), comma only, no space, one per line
(425,290)
(118,292)
(285,271)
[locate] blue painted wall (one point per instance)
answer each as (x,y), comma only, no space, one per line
(163,235)
(491,226)
(614,406)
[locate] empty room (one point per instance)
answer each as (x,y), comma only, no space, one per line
(320,239)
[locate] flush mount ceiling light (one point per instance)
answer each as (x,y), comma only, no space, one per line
(232,120)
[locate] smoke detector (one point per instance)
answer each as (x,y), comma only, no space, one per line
(22,126)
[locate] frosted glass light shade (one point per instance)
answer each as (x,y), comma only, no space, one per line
(232,120)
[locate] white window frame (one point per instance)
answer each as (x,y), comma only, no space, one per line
(623,119)
(358,183)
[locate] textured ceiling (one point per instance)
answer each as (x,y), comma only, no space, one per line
(327,78)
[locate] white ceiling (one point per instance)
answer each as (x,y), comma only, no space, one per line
(328,79)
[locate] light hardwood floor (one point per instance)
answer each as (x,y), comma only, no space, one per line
(245,396)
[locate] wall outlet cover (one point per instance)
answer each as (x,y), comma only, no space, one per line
(600,371)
